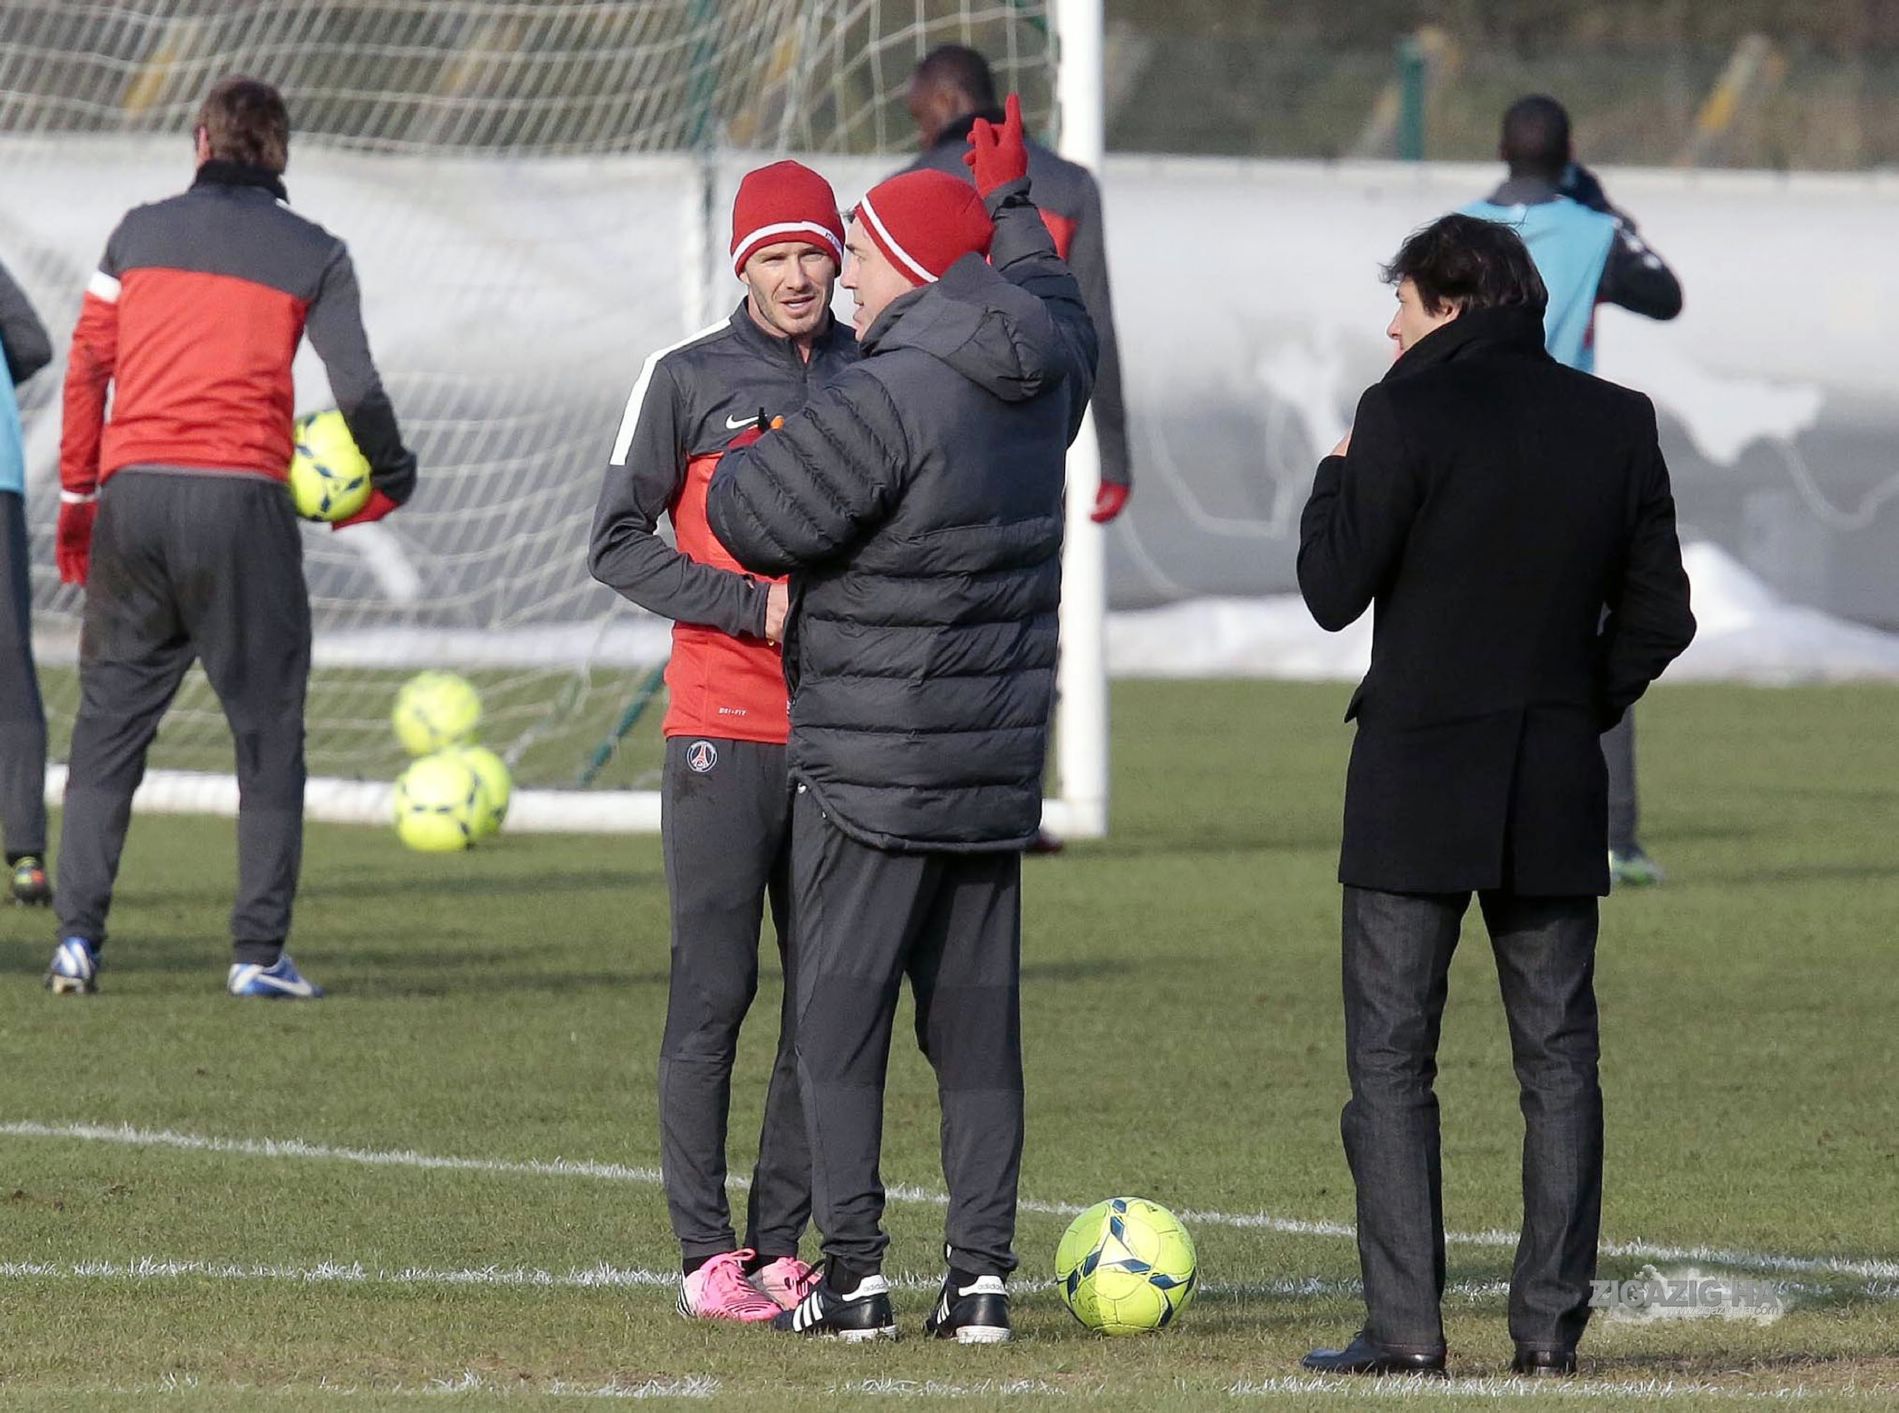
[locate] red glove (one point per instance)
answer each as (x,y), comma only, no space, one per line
(1110,501)
(996,154)
(755,431)
(74,549)
(379,506)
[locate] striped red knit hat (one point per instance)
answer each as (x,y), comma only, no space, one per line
(926,221)
(785,201)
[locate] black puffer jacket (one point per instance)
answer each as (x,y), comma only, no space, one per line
(917,502)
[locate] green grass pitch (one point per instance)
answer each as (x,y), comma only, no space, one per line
(1184,1043)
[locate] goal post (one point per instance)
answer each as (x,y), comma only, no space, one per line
(534,192)
(1079,807)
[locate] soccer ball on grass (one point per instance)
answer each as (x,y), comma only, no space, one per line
(1126,1266)
(496,787)
(439,804)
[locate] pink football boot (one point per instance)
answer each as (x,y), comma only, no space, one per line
(786,1280)
(718,1290)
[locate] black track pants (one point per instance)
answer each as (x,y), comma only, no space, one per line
(204,566)
(726,819)
(952,923)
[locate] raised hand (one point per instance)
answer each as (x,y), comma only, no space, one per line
(997,154)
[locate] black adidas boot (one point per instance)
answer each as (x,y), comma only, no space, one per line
(843,1306)
(971,1310)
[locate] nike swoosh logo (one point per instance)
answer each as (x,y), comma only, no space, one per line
(739,424)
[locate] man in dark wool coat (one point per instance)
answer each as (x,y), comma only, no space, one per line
(1510,522)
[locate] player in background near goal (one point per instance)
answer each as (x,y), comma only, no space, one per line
(22,715)
(725,798)
(917,503)
(1588,253)
(949,90)
(192,322)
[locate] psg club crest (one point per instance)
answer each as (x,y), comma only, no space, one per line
(701,756)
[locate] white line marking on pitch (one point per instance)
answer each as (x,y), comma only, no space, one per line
(603,1276)
(596,1277)
(599,1277)
(1310,1388)
(153,1268)
(125,1134)
(691,1386)
(473,1383)
(991,1389)
(296,1148)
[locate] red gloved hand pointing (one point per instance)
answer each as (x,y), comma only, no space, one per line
(996,154)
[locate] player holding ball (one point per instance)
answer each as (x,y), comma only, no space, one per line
(191,322)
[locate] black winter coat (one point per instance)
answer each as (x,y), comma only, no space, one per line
(1512,521)
(917,504)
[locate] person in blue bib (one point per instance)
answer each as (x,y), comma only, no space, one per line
(26,349)
(1589,253)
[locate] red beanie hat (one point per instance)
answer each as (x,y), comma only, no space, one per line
(785,201)
(926,221)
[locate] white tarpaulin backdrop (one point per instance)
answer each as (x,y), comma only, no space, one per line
(510,308)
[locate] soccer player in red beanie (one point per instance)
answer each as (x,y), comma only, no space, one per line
(725,798)
(917,504)
(191,322)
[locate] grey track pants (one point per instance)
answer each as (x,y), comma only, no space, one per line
(726,823)
(204,566)
(951,922)
(1618,754)
(22,715)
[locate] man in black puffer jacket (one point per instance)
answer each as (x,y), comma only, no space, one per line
(917,504)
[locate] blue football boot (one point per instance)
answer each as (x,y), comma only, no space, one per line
(280,981)
(75,968)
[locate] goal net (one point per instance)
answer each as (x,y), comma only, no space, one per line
(536,196)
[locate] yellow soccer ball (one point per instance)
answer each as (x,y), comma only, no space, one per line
(329,480)
(497,788)
(439,802)
(434,711)
(1126,1266)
